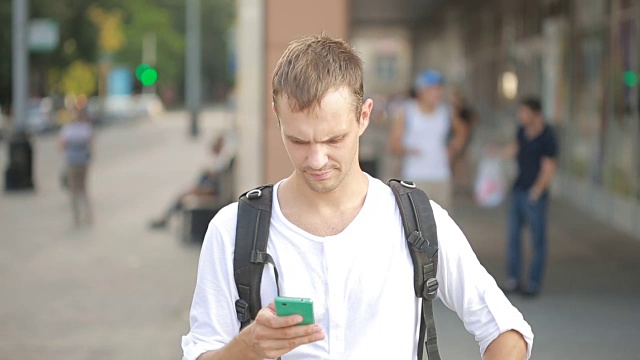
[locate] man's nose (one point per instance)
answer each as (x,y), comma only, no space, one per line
(317,157)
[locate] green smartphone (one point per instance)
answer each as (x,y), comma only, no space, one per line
(286,306)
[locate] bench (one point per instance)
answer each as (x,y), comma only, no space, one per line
(198,210)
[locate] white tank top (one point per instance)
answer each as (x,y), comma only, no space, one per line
(426,133)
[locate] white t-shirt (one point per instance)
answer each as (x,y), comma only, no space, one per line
(77,137)
(426,133)
(361,283)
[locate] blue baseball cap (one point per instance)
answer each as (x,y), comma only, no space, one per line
(428,78)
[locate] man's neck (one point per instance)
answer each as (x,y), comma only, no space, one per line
(535,128)
(426,108)
(351,192)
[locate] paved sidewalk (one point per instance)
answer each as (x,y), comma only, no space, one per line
(589,306)
(116,290)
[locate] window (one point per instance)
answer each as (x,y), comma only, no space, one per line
(387,67)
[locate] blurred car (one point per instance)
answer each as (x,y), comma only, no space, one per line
(119,108)
(147,105)
(40,116)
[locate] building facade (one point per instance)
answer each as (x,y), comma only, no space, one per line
(580,56)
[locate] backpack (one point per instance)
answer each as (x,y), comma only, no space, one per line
(252,235)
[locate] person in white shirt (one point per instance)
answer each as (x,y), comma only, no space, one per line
(420,134)
(336,237)
(76,140)
(208,182)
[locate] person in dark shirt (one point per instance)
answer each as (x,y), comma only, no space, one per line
(535,150)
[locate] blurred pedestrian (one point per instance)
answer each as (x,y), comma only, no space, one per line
(535,149)
(466,119)
(76,141)
(420,134)
(208,184)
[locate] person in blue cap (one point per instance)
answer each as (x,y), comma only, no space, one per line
(420,135)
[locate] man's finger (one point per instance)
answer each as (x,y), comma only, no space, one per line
(293,332)
(280,346)
(267,317)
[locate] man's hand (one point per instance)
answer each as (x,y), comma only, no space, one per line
(534,194)
(272,336)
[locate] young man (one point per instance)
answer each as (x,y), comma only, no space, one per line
(420,135)
(336,237)
(535,149)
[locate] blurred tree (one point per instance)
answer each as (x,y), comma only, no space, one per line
(78,78)
(218,20)
(147,16)
(109,24)
(80,39)
(77,42)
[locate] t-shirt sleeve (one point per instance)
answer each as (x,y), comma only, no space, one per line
(551,145)
(467,288)
(213,316)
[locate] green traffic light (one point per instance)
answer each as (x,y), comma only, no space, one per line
(141,69)
(149,77)
(630,79)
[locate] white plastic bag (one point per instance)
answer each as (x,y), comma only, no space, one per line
(490,186)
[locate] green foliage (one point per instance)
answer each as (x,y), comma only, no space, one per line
(79,39)
(143,17)
(218,17)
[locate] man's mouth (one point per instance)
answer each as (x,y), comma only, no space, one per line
(320,175)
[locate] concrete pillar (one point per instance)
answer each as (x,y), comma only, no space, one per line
(250,94)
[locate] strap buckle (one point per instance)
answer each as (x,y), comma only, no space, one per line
(254,194)
(430,289)
(408,184)
(417,239)
(242,310)
(258,257)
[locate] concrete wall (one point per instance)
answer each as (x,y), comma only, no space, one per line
(441,49)
(287,20)
(376,42)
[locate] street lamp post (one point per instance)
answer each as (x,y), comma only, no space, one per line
(20,63)
(19,172)
(193,78)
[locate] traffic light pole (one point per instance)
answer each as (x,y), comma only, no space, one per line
(192,61)
(20,64)
(149,51)
(19,172)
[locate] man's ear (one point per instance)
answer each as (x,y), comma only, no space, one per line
(275,112)
(365,115)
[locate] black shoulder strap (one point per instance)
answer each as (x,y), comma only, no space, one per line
(250,255)
(422,238)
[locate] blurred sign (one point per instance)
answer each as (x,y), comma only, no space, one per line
(44,35)
(120,81)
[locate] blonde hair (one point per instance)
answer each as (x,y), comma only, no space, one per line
(312,66)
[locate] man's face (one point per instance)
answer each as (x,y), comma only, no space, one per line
(525,115)
(323,143)
(431,95)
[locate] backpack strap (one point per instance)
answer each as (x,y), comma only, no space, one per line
(250,255)
(421,233)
